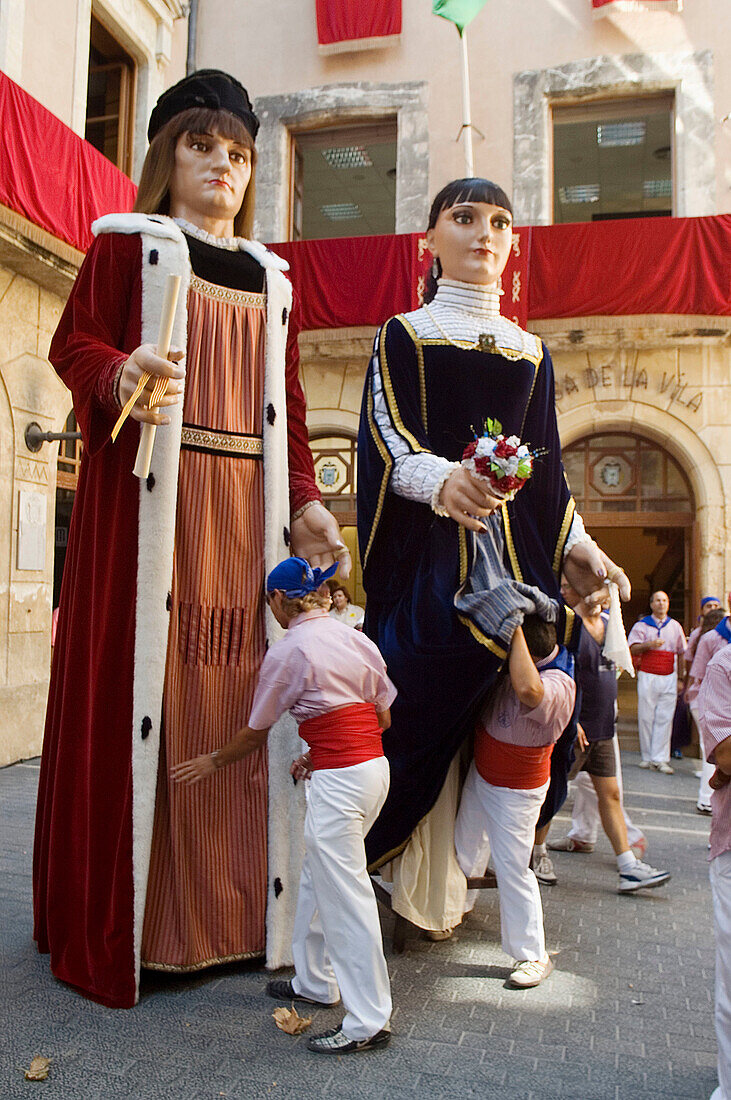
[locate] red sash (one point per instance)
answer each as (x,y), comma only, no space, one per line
(520,767)
(343,737)
(658,661)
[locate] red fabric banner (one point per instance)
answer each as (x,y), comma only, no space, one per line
(607,7)
(356,24)
(637,265)
(364,280)
(52,176)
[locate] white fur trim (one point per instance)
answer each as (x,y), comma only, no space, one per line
(155,543)
(152,225)
(155,556)
(286,801)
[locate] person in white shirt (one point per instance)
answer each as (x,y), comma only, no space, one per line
(345,611)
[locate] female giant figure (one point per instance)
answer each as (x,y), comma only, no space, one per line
(435,375)
(162,628)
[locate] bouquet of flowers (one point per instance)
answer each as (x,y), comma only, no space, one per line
(502,461)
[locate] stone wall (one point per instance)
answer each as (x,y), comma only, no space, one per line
(29,391)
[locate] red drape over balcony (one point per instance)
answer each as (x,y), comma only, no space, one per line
(54,178)
(356,24)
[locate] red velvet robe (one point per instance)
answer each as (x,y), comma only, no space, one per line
(84,887)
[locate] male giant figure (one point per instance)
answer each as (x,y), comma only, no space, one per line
(659,643)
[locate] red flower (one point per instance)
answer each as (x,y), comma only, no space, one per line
(469,449)
(483,466)
(505,449)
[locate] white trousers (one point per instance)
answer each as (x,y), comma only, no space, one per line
(585,819)
(707,770)
(337,944)
(720,875)
(656,699)
(503,821)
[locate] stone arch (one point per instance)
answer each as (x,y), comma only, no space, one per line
(332,422)
(690,452)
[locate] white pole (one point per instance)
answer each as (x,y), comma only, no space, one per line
(466,113)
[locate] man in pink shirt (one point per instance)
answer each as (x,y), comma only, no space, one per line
(506,785)
(711,617)
(333,681)
(714,704)
(708,645)
(658,643)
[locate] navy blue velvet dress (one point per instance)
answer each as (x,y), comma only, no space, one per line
(435,395)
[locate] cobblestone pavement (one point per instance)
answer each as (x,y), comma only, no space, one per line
(627,1013)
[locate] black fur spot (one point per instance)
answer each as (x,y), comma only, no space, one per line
(169,602)
(285,315)
(277,887)
(154,256)
(271,413)
(150,482)
(146,727)
(285,535)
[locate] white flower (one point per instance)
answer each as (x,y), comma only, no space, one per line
(511,466)
(513,440)
(523,451)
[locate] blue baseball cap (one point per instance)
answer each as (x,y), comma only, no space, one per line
(296,577)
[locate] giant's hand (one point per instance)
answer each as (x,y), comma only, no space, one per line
(316,537)
(145,360)
(465,498)
(587,568)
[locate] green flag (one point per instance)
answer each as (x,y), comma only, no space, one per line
(460,12)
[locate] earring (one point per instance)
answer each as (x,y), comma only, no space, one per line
(436,269)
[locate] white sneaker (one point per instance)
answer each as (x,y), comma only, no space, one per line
(544,871)
(641,877)
(645,764)
(666,769)
(530,972)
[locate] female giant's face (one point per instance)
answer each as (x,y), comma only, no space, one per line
(472,241)
(209,181)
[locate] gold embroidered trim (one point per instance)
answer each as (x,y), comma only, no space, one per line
(388,462)
(227,294)
(530,398)
(462,345)
(463,562)
(222,442)
(483,638)
(514,563)
(420,364)
(388,856)
(172,968)
(569,627)
(563,534)
(391,397)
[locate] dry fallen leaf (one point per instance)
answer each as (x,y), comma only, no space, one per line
(38,1069)
(289,1020)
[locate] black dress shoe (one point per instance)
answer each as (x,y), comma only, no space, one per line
(281,990)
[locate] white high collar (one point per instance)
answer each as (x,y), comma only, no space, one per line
(480,301)
(229,243)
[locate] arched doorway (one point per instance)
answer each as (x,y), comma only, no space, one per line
(639,505)
(335,458)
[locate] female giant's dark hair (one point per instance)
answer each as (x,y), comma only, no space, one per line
(153,194)
(465,190)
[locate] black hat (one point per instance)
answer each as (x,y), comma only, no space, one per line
(209,88)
